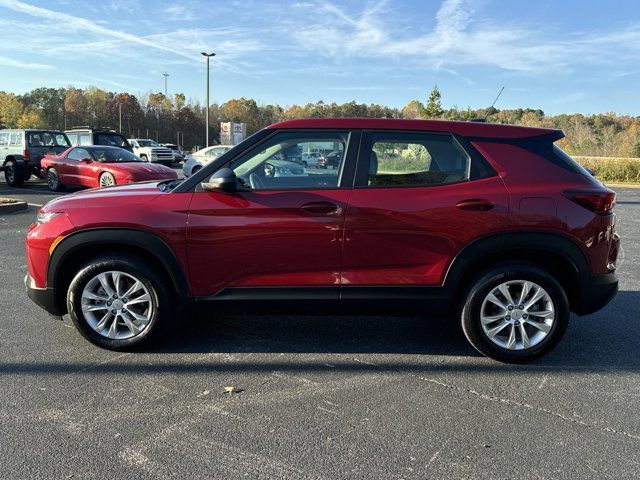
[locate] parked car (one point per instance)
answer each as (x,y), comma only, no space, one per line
(195,161)
(178,154)
(22,150)
(492,226)
(88,135)
(310,159)
(99,166)
(331,160)
(283,168)
(151,151)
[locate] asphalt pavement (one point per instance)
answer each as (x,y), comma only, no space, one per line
(315,396)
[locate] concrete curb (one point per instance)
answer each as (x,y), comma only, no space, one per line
(12,206)
(622,185)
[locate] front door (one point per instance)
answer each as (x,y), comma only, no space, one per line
(419,198)
(283,229)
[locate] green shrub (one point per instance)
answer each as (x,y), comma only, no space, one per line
(613,169)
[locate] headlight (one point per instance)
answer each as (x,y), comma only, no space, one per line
(44,217)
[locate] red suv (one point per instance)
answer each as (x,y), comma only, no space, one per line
(490,224)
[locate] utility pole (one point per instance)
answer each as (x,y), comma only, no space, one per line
(165,83)
(120,116)
(206,111)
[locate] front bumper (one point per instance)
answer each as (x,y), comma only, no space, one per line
(596,292)
(46,298)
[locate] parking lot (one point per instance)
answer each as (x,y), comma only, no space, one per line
(315,396)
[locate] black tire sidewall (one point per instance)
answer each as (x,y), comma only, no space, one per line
(16,170)
(151,280)
(472,327)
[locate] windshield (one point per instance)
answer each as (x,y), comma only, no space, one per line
(113,155)
(147,143)
(48,139)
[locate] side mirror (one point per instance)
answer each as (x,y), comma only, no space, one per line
(224,180)
(86,160)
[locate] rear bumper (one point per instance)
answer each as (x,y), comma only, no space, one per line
(45,298)
(596,292)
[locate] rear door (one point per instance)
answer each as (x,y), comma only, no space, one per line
(283,230)
(419,198)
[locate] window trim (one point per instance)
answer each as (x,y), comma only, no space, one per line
(361,177)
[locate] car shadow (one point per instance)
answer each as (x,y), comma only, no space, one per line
(606,340)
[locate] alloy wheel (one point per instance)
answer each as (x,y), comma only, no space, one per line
(107,180)
(517,315)
(116,305)
(52,179)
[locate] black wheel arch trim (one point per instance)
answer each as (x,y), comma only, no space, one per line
(522,240)
(142,239)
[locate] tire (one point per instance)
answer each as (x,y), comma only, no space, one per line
(496,331)
(13,174)
(157,310)
(53,180)
(195,169)
(106,179)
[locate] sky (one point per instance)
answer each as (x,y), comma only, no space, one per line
(562,56)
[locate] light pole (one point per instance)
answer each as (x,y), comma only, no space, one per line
(165,83)
(206,111)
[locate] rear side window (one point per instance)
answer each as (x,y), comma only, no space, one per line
(415,159)
(84,139)
(4,136)
(15,139)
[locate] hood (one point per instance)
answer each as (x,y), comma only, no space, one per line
(140,168)
(129,194)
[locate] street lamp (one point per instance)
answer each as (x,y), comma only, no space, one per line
(206,112)
(165,74)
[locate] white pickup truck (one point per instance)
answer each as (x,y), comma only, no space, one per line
(150,151)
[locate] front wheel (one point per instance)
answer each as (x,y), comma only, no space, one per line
(107,179)
(53,180)
(515,313)
(118,302)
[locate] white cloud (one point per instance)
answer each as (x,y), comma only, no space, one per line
(458,38)
(10,62)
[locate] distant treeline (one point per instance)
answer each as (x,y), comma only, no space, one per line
(156,116)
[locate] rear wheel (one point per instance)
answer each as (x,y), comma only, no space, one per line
(515,313)
(53,180)
(13,174)
(118,302)
(107,179)
(195,169)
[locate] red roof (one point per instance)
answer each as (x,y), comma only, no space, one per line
(468,129)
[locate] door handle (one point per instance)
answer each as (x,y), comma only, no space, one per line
(320,208)
(475,204)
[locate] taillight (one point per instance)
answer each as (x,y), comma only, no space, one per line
(25,154)
(600,202)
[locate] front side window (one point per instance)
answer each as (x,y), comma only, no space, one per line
(78,154)
(84,139)
(399,159)
(277,163)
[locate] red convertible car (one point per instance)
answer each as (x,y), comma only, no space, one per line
(99,166)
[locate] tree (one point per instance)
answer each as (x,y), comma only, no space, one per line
(30,118)
(75,104)
(10,110)
(413,109)
(433,109)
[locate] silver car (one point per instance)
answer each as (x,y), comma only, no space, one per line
(195,161)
